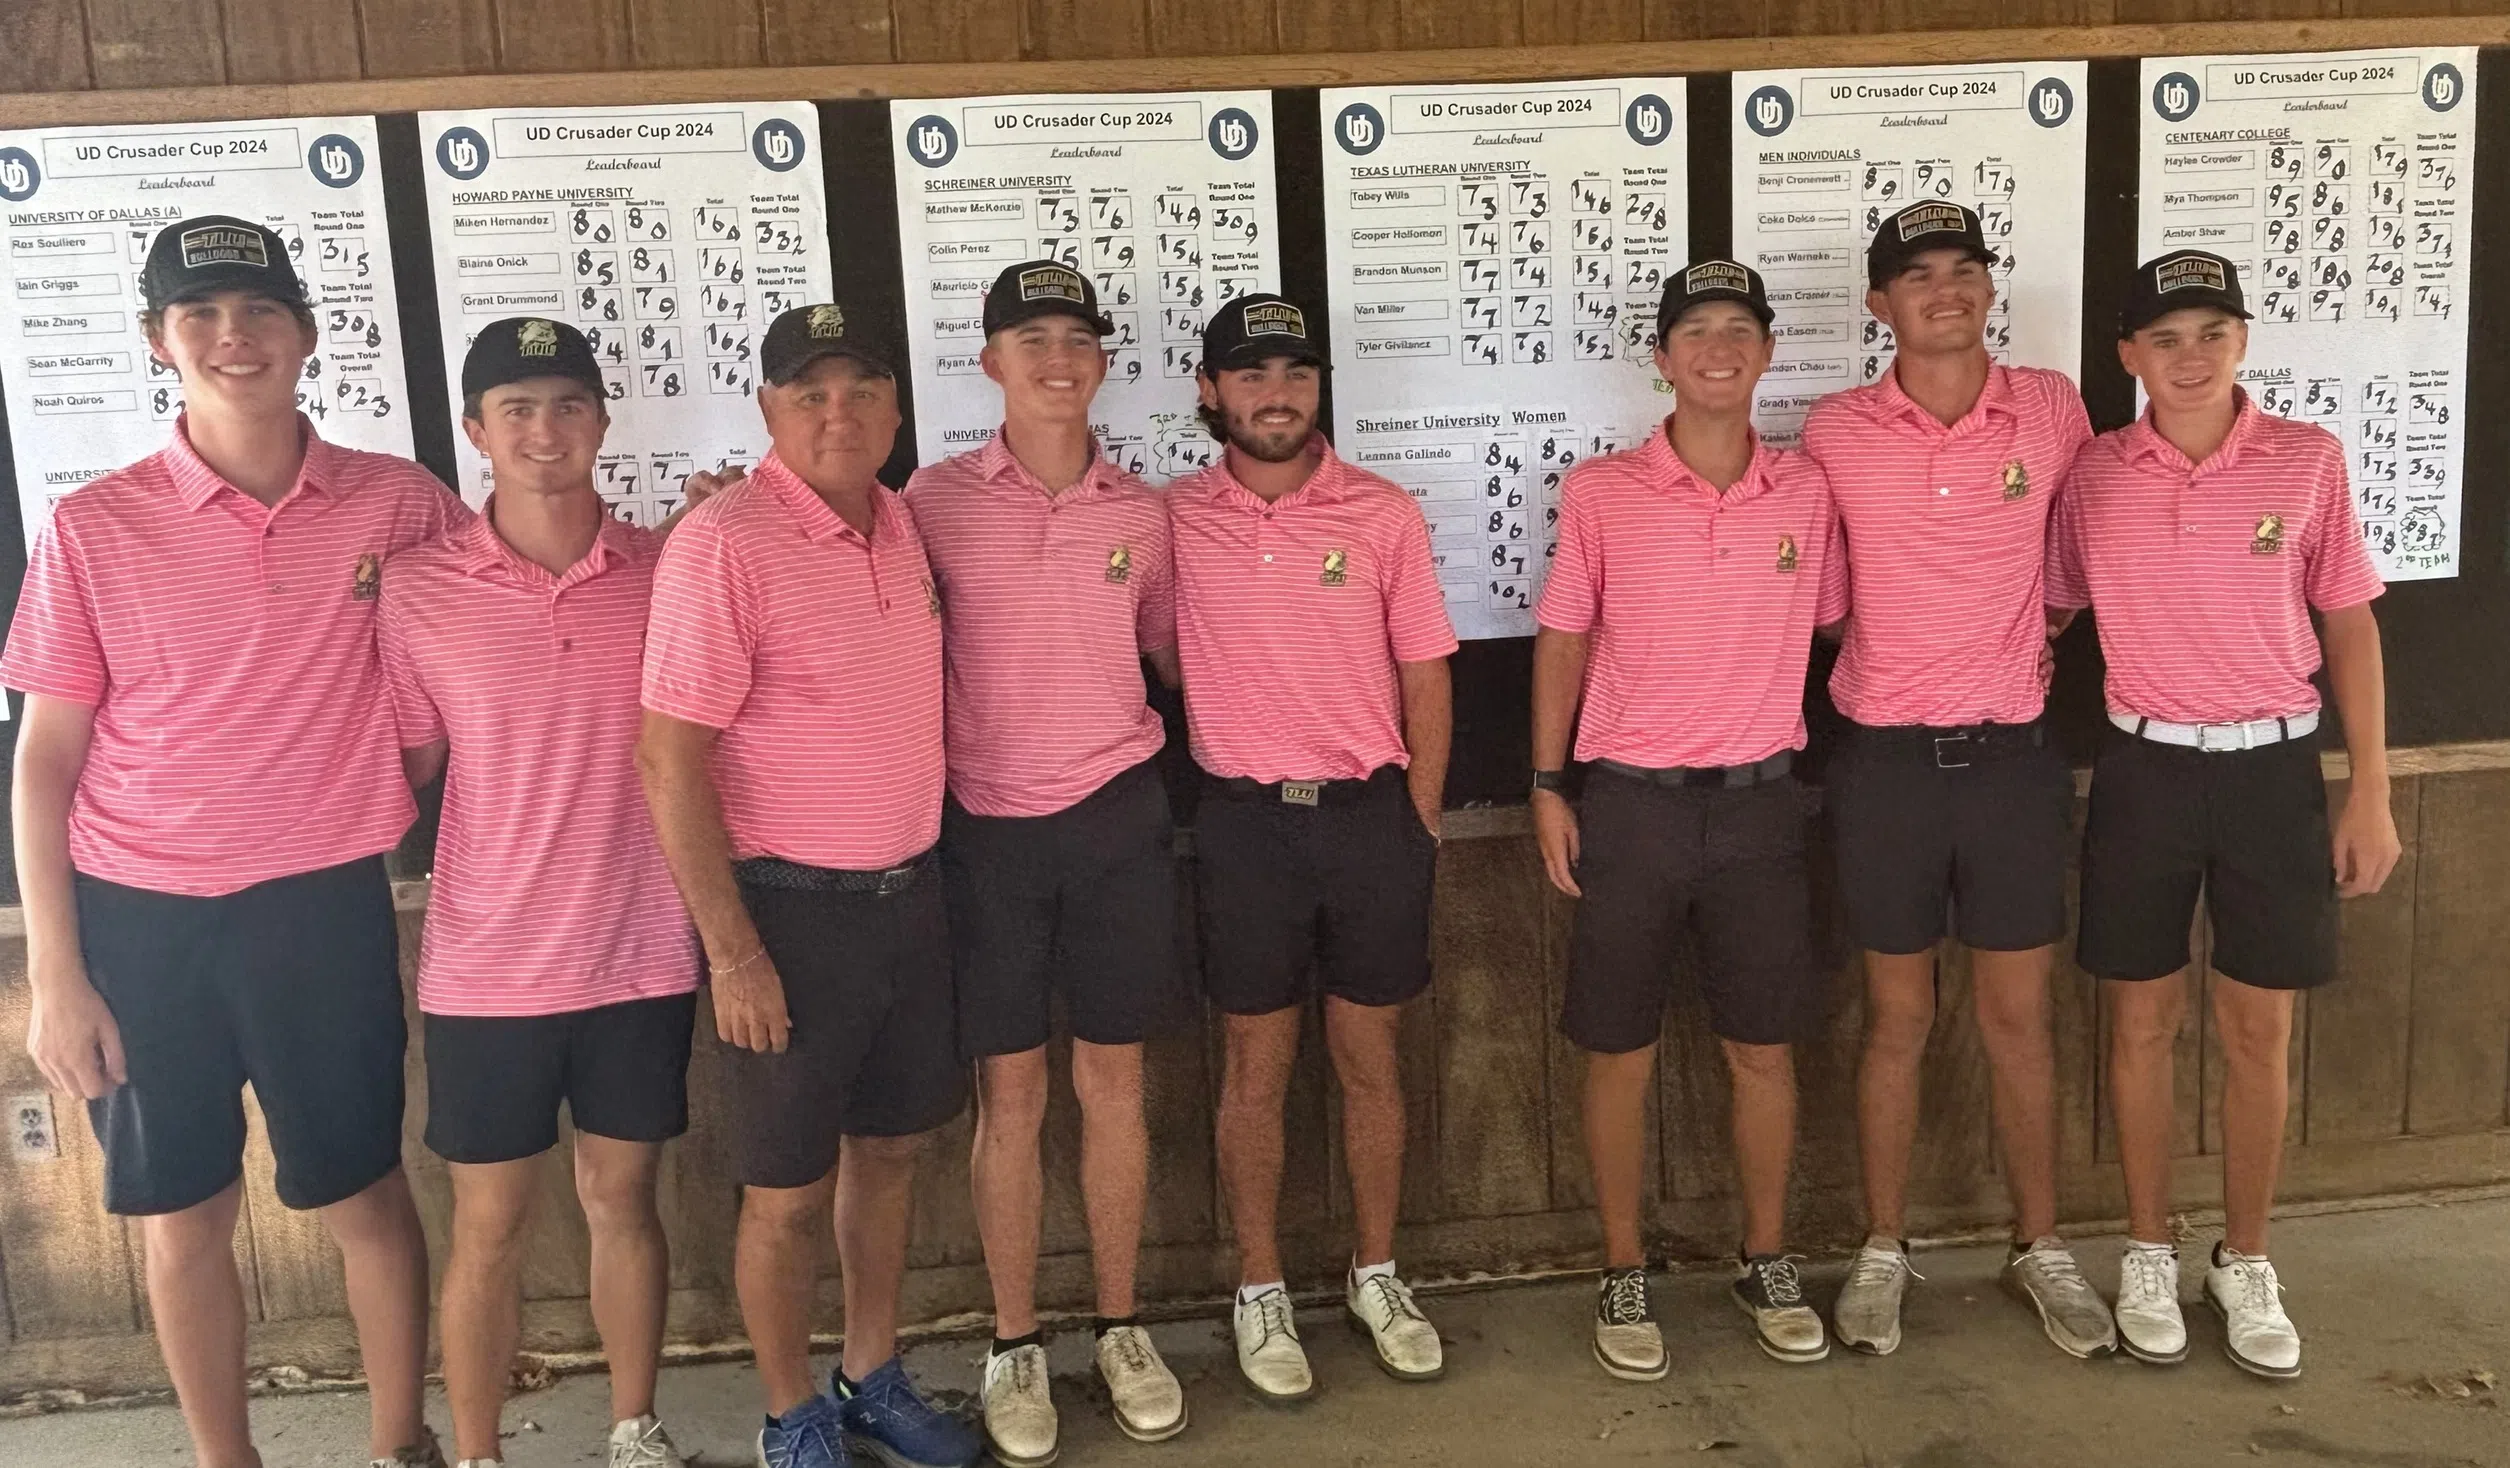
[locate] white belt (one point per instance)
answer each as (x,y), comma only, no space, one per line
(2216,738)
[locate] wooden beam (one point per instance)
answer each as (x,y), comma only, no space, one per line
(1190,73)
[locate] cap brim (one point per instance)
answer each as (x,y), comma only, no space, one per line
(211,280)
(1028,311)
(1255,354)
(868,358)
(2142,314)
(1878,271)
(1759,309)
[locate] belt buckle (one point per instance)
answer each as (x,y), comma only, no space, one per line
(1301,792)
(895,880)
(1941,740)
(2246,737)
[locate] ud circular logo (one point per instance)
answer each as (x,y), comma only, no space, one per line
(1768,111)
(2051,102)
(2175,97)
(1360,128)
(1233,133)
(1648,120)
(932,141)
(777,144)
(462,152)
(19,177)
(2442,87)
(337,161)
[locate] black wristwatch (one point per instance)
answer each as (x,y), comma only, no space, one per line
(1555,781)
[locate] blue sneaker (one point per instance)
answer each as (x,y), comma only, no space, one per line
(883,1416)
(812,1435)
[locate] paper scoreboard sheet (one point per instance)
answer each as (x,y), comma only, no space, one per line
(78,208)
(671,235)
(2342,186)
(1496,254)
(1821,158)
(1165,202)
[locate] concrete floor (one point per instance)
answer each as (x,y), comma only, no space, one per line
(2405,1312)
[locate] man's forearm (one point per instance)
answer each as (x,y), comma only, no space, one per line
(2357,674)
(1428,728)
(688,820)
(1559,681)
(45,783)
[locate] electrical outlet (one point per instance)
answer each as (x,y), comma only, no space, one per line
(32,1135)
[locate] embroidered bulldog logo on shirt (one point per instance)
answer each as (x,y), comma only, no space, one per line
(2268,541)
(366,581)
(1337,567)
(1120,564)
(1786,555)
(2017,479)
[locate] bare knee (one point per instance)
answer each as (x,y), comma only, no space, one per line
(1898,1022)
(201,1234)
(787,1212)
(2145,1018)
(1107,1079)
(886,1157)
(616,1191)
(2013,1020)
(2255,1025)
(1255,1073)
(1759,1065)
(382,1211)
(1010,1095)
(1365,1055)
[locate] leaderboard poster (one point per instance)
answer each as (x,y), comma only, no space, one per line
(78,208)
(1165,202)
(670,235)
(2342,185)
(1495,254)
(1821,158)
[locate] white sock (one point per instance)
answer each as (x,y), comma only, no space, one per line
(1247,1293)
(1361,1273)
(2170,1249)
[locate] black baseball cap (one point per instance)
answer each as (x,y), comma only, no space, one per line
(1713,280)
(805,334)
(1248,330)
(1934,225)
(523,347)
(2177,281)
(208,253)
(1037,288)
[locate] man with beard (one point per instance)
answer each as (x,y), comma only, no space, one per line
(207,781)
(792,755)
(1057,848)
(558,966)
(1314,639)
(1948,792)
(1674,629)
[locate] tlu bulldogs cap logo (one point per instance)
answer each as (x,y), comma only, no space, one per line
(1930,219)
(1051,283)
(2192,272)
(1274,318)
(220,244)
(1715,275)
(536,338)
(827,323)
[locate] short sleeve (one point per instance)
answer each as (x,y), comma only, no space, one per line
(700,637)
(54,646)
(2341,571)
(1155,615)
(414,710)
(1416,607)
(2064,584)
(1573,586)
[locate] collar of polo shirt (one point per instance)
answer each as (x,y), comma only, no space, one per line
(1995,395)
(198,484)
(996,460)
(809,511)
(2144,441)
(1759,476)
(1324,484)
(484,548)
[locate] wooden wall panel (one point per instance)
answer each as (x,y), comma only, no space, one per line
(1494,1133)
(43,46)
(1698,20)
(291,40)
(956,30)
(1338,25)
(825,32)
(2461,1036)
(153,43)
(428,37)
(563,35)
(1435,24)
(1582,22)
(679,34)
(68,1268)
(2361,1028)
(1199,28)
(1075,30)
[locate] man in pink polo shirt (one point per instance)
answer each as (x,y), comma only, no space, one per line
(206,781)
(1057,848)
(2202,536)
(1947,792)
(792,755)
(1673,633)
(1314,640)
(558,965)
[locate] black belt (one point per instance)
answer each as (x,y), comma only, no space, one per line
(778,875)
(1731,777)
(1299,792)
(1958,746)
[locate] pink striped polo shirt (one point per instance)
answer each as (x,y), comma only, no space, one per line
(2200,577)
(1291,617)
(551,894)
(818,654)
(1701,605)
(1947,534)
(1048,601)
(242,729)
